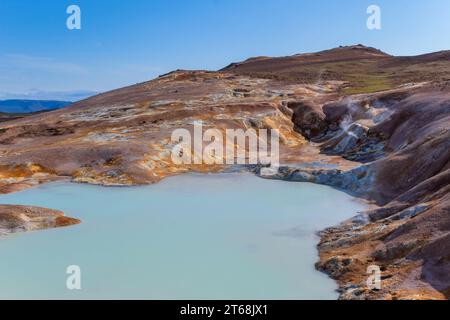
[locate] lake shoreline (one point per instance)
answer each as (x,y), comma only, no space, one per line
(277,232)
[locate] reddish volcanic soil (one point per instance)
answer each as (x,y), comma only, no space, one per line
(374,125)
(26,218)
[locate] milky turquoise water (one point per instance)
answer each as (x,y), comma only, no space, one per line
(224,236)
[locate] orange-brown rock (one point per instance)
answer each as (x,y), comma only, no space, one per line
(353,117)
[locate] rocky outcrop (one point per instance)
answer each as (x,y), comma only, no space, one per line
(15,219)
(401,138)
(408,245)
(355,118)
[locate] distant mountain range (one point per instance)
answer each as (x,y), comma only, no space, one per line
(36,94)
(28,106)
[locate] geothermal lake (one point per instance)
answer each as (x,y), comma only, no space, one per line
(223,236)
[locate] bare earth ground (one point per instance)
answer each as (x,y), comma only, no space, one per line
(355,118)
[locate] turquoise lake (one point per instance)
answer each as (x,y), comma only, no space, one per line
(221,236)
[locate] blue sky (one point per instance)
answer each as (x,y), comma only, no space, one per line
(125,42)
